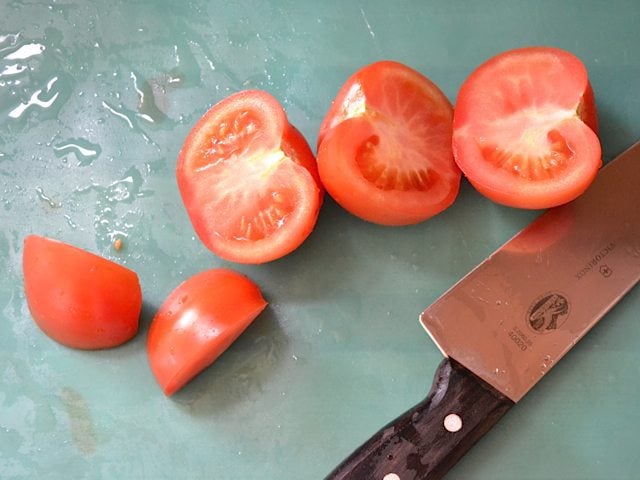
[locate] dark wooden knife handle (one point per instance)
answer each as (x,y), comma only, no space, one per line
(417,445)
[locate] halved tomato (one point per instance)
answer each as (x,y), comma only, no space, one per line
(77,298)
(524,130)
(385,146)
(249,180)
(197,322)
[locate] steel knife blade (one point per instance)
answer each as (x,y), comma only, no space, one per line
(505,324)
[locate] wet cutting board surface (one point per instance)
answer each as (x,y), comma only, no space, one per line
(95,101)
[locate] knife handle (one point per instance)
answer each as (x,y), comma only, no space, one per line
(426,441)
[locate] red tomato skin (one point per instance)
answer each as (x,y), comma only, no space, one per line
(295,146)
(578,131)
(298,175)
(357,115)
(197,322)
(79,299)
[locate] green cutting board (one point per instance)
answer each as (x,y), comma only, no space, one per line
(96,98)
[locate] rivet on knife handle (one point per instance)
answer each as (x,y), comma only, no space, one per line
(426,441)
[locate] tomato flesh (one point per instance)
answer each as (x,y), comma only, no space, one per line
(385,146)
(77,298)
(249,180)
(525,128)
(197,322)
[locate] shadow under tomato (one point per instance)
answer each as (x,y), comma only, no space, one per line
(615,131)
(146,316)
(325,261)
(242,372)
(345,253)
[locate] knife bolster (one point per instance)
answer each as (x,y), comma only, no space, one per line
(426,441)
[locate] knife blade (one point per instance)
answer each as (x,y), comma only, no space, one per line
(505,324)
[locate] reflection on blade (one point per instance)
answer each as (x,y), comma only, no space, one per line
(515,315)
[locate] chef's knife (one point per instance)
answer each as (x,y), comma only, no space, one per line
(505,324)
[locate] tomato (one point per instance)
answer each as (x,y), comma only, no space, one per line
(197,322)
(77,298)
(385,146)
(249,180)
(524,130)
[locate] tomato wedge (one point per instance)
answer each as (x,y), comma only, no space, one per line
(197,322)
(249,180)
(77,298)
(385,146)
(524,130)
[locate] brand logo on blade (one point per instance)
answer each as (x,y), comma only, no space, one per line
(548,312)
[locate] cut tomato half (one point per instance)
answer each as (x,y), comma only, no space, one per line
(249,180)
(385,146)
(524,130)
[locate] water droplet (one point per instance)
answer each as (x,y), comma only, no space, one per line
(70,222)
(546,363)
(124,190)
(153,103)
(14,69)
(130,119)
(85,151)
(40,98)
(26,51)
(42,196)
